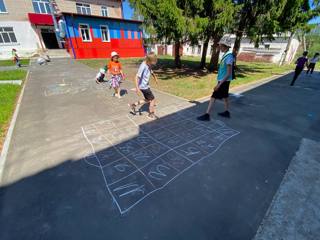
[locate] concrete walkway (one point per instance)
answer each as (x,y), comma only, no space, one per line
(80,166)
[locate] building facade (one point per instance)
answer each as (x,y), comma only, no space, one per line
(268,51)
(93,28)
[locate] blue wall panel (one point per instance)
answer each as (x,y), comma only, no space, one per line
(95,23)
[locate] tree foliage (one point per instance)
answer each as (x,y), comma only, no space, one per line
(194,21)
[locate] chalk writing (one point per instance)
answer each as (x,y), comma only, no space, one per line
(153,156)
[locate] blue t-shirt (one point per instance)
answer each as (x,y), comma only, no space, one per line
(144,74)
(227,59)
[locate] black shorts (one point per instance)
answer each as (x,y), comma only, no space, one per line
(311,65)
(148,95)
(222,92)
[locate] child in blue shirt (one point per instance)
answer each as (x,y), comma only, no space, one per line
(221,90)
(142,85)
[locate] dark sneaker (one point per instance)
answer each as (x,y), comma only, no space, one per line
(225,114)
(204,117)
(132,108)
(152,116)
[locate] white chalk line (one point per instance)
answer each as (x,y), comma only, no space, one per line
(124,156)
(159,156)
(104,177)
(170,149)
(180,173)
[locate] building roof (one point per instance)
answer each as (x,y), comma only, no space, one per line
(101,17)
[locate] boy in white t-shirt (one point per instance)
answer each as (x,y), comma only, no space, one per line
(142,85)
(312,63)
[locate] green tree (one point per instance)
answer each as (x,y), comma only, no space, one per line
(213,19)
(257,19)
(167,20)
(297,14)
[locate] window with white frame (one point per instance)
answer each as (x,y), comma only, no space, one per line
(41,6)
(193,50)
(7,35)
(104,11)
(85,32)
(2,7)
(83,8)
(105,36)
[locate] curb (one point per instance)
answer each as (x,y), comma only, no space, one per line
(249,86)
(5,149)
(16,82)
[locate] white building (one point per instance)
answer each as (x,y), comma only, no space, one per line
(268,51)
(27,25)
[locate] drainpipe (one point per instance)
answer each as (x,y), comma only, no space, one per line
(69,36)
(55,23)
(122,9)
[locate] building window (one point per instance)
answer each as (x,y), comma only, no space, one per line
(193,49)
(83,8)
(7,35)
(105,36)
(2,7)
(41,6)
(199,49)
(104,11)
(85,32)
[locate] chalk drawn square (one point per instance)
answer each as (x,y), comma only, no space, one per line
(192,152)
(207,144)
(130,191)
(227,131)
(175,128)
(108,155)
(128,147)
(216,124)
(201,130)
(141,157)
(187,135)
(150,127)
(144,140)
(92,160)
(162,134)
(138,164)
(188,124)
(218,137)
(174,142)
(157,149)
(176,161)
(118,170)
(159,172)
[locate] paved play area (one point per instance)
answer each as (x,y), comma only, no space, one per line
(80,166)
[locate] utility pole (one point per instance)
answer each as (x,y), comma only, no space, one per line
(55,23)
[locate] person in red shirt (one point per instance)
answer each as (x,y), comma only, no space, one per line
(115,69)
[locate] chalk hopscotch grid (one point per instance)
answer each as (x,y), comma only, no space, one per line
(220,129)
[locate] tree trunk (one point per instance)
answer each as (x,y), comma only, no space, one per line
(177,59)
(204,53)
(286,51)
(213,65)
(304,44)
(237,42)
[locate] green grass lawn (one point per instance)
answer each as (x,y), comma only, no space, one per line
(6,63)
(190,82)
(18,74)
(8,97)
